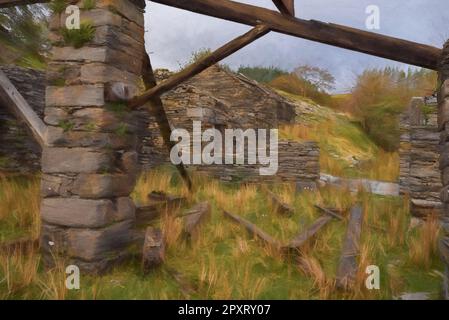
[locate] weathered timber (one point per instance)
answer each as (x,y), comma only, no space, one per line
(340,36)
(162,198)
(13,3)
(145,214)
(192,70)
(254,230)
(23,245)
(185,286)
(153,253)
(12,99)
(286,7)
(194,218)
(157,110)
(297,242)
(280,206)
(330,212)
(347,268)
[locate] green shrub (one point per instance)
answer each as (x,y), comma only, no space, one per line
(58,6)
(262,74)
(78,37)
(89,4)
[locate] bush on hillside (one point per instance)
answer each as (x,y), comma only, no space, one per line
(290,83)
(262,74)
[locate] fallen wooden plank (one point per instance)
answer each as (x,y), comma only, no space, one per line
(280,206)
(22,245)
(254,230)
(193,219)
(14,101)
(347,268)
(153,252)
(330,212)
(336,35)
(297,242)
(146,214)
(156,108)
(163,199)
(196,68)
(286,7)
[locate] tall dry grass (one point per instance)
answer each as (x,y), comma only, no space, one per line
(424,247)
(19,205)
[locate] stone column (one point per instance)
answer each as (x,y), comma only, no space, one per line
(90,165)
(443,123)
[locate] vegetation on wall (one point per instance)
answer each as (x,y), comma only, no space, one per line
(23,36)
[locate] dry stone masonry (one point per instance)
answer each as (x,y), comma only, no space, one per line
(443,124)
(222,100)
(90,166)
(19,153)
(420,176)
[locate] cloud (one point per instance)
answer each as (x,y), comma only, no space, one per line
(173,34)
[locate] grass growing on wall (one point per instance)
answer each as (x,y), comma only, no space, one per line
(224,262)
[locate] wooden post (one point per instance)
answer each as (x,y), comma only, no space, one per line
(286,7)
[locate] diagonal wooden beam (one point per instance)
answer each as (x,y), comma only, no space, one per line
(11,98)
(200,65)
(158,111)
(286,7)
(340,36)
(13,3)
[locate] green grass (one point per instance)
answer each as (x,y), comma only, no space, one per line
(78,37)
(225,262)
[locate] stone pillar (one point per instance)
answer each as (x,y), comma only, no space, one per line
(90,165)
(443,123)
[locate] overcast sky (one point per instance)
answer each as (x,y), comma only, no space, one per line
(173,34)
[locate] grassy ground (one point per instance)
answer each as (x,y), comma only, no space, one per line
(224,262)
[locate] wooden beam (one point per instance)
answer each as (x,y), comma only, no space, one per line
(200,65)
(286,7)
(12,99)
(340,36)
(14,3)
(156,108)
(297,242)
(254,230)
(347,268)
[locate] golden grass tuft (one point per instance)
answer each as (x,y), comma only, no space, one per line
(424,247)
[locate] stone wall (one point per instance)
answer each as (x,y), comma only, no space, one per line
(19,152)
(90,166)
(443,124)
(225,100)
(419,152)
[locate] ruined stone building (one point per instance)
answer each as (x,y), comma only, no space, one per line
(218,98)
(226,100)
(420,176)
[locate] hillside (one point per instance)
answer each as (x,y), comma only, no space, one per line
(346,150)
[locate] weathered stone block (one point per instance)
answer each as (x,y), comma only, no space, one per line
(75,96)
(75,160)
(91,245)
(101,73)
(77,213)
(58,137)
(444,90)
(125,8)
(97,186)
(54,186)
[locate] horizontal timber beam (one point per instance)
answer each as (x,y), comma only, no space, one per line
(13,3)
(340,36)
(14,101)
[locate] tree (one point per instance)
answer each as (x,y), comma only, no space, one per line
(322,79)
